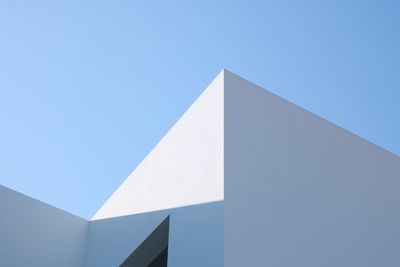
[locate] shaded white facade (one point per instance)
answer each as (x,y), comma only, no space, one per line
(33,233)
(301,190)
(245,178)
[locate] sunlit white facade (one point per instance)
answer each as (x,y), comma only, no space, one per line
(244,178)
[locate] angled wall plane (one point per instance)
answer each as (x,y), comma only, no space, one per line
(244,178)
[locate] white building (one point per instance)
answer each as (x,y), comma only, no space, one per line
(244,178)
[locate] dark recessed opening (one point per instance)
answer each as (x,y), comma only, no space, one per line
(153,252)
(161,260)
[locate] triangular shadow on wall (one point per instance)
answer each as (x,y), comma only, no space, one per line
(153,252)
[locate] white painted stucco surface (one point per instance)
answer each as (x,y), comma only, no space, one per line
(35,234)
(279,185)
(195,236)
(301,191)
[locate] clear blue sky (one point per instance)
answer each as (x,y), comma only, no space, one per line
(87,88)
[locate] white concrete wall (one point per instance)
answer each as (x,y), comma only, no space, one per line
(35,234)
(300,191)
(296,190)
(195,237)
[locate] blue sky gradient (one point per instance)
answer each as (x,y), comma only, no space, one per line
(87,88)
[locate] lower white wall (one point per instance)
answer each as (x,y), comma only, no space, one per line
(35,234)
(195,237)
